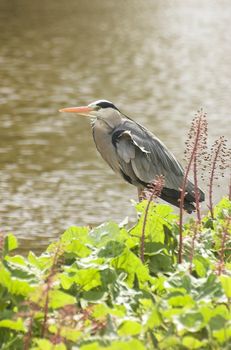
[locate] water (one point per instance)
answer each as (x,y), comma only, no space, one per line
(158,61)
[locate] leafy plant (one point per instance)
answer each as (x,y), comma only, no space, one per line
(91,291)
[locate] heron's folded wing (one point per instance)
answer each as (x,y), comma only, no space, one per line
(147,156)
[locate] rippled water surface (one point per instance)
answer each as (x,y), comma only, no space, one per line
(159,61)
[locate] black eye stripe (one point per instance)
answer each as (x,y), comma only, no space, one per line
(105,104)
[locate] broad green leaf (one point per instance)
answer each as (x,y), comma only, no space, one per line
(154,248)
(223,209)
(14,285)
(10,243)
(16,260)
(66,280)
(42,262)
(112,249)
(102,310)
(88,279)
(106,232)
(192,343)
(170,342)
(181,301)
(158,217)
(56,298)
(217,322)
(154,320)
(208,288)
(132,265)
(160,263)
(129,328)
(209,311)
(93,295)
(59,299)
(133,344)
(226,284)
(78,248)
(223,335)
(193,321)
(16,325)
(80,234)
(201,265)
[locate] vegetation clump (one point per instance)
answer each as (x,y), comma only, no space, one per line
(90,290)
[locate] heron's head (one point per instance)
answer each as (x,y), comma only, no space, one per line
(101,109)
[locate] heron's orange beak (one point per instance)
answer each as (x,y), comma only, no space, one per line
(84,110)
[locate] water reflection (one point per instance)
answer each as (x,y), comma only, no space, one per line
(158,61)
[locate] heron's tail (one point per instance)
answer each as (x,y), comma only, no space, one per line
(173,197)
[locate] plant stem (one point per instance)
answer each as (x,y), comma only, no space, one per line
(211,180)
(155,191)
(230,188)
(193,247)
(48,287)
(142,239)
(196,190)
(183,190)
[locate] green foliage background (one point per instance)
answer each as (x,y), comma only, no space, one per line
(90,290)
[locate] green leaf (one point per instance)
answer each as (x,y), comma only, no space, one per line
(112,249)
(14,285)
(132,265)
(87,279)
(154,248)
(201,265)
(16,260)
(42,262)
(159,217)
(223,335)
(66,280)
(59,299)
(154,320)
(107,232)
(14,325)
(192,343)
(193,321)
(80,234)
(217,322)
(223,209)
(181,301)
(160,263)
(226,285)
(10,243)
(129,328)
(102,310)
(170,342)
(75,240)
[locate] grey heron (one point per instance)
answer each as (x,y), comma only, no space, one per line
(135,153)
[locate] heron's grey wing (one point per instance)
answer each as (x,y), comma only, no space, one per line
(141,154)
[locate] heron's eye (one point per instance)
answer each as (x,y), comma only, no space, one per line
(96,107)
